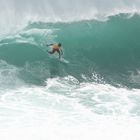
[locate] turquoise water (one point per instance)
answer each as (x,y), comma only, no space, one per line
(108,49)
(97,94)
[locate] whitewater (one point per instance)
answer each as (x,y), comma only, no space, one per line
(95,96)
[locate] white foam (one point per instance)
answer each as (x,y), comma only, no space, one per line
(102,129)
(65,109)
(9,75)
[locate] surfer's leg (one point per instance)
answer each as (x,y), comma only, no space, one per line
(59,53)
(53,51)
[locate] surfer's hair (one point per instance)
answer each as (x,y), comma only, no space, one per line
(59,44)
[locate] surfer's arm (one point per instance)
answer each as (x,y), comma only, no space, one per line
(49,45)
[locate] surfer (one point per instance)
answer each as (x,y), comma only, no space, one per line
(56,48)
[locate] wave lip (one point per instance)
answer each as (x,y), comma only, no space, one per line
(64,11)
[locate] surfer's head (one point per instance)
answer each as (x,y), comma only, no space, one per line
(59,44)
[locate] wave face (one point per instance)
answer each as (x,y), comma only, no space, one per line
(108,51)
(96,94)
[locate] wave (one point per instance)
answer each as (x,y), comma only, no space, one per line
(107,50)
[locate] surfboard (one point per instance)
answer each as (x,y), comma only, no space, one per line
(64,60)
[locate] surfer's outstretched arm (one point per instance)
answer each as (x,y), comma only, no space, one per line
(49,45)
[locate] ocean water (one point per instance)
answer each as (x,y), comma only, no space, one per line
(95,96)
